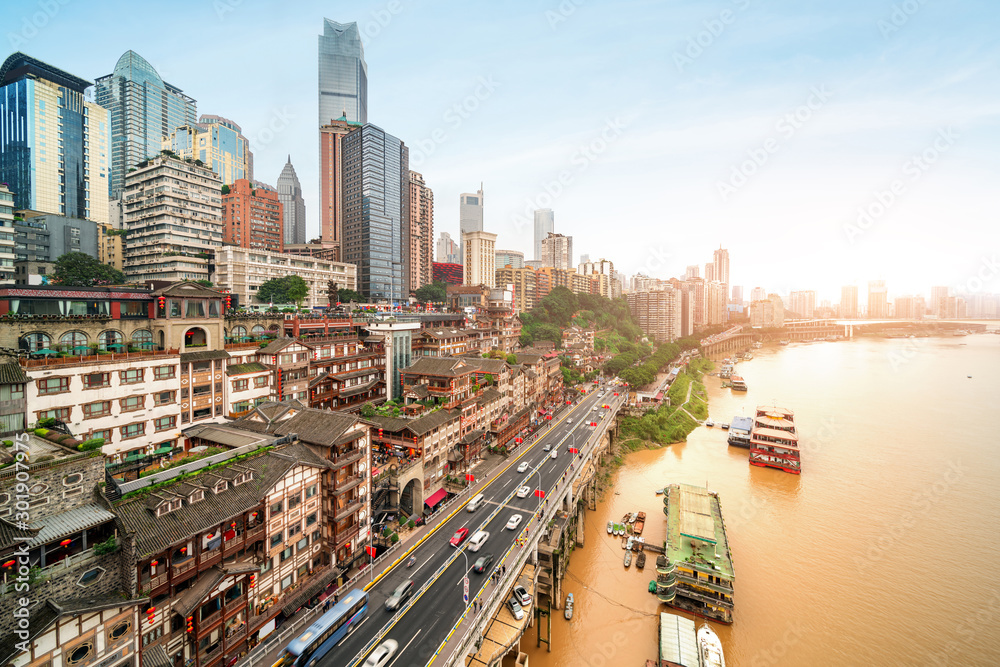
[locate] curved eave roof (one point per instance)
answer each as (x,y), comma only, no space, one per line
(18,65)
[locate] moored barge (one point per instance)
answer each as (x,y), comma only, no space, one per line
(774,442)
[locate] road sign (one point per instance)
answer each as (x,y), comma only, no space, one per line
(465,590)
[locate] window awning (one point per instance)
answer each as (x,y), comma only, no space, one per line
(166,449)
(435,498)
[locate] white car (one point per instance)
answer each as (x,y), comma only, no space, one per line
(380,656)
(523,492)
(515,609)
(514,521)
(554,452)
(523,466)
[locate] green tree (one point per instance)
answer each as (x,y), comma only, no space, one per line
(349,295)
(79,269)
(512,359)
(225,189)
(288,289)
(205,283)
(436,292)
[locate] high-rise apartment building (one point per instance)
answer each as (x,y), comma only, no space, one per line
(878,306)
(511,258)
(6,234)
(710,271)
(421,232)
(470,216)
(557,251)
(849,301)
(54,143)
(173,212)
(909,307)
(376,212)
(479,267)
(545,224)
(253,216)
(767,313)
(692,271)
(758,294)
(343,74)
(802,303)
(720,260)
(939,297)
(143,109)
(602,267)
(218,142)
(447,250)
(585,258)
(331,180)
(293,206)
(715,302)
(658,313)
(737,294)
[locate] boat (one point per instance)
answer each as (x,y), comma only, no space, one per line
(640,523)
(737,383)
(724,426)
(632,517)
(628,557)
(659,492)
(709,423)
(611,527)
(710,648)
(782,342)
(774,441)
(568,613)
(640,560)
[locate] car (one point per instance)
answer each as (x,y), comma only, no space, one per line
(523,467)
(554,452)
(399,596)
(477,541)
(514,522)
(459,537)
(569,421)
(546,448)
(482,563)
(515,609)
(381,656)
(523,492)
(521,595)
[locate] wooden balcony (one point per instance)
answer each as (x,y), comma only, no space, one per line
(343,487)
(186,566)
(256,533)
(349,457)
(210,558)
(347,510)
(342,537)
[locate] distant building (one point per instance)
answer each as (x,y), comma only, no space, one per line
(47,237)
(479,251)
(758,294)
(557,251)
(111,247)
(585,258)
(849,301)
(293,206)
(658,313)
(737,294)
(218,143)
(720,260)
(767,313)
(421,232)
(909,307)
(343,74)
(878,306)
(54,143)
(253,217)
(331,181)
(803,303)
(692,271)
(939,297)
(544,225)
(511,258)
(143,109)
(447,250)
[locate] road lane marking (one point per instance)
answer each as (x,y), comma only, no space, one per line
(404,648)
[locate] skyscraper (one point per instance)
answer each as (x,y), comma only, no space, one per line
(692,271)
(343,74)
(720,258)
(480,258)
(557,251)
(53,142)
(737,294)
(421,232)
(252,215)
(293,206)
(803,303)
(759,294)
(376,212)
(545,223)
(218,142)
(939,299)
(470,216)
(849,301)
(331,180)
(878,307)
(585,258)
(144,109)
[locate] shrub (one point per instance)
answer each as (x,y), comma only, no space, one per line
(394,538)
(8,443)
(41,432)
(88,445)
(47,422)
(109,546)
(411,524)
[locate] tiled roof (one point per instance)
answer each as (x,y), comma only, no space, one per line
(391,424)
(494,366)
(443,333)
(489,395)
(225,435)
(242,369)
(71,521)
(11,535)
(357,389)
(188,288)
(11,373)
(204,355)
(429,422)
(419,390)
(279,344)
(317,427)
(448,366)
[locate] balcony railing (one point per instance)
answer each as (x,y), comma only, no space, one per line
(189,564)
(92,359)
(347,510)
(344,536)
(256,533)
(348,457)
(341,488)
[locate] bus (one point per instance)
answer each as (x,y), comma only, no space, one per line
(310,647)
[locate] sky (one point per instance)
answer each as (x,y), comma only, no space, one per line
(823,143)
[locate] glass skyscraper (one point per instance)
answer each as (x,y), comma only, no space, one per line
(144,111)
(376,212)
(343,74)
(53,142)
(545,222)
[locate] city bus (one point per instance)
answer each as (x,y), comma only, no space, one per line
(310,647)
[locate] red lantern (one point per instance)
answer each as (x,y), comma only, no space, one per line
(66,543)
(253,581)
(154,563)
(9,563)
(184,550)
(163,302)
(232,525)
(190,623)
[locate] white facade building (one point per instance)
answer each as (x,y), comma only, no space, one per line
(242,271)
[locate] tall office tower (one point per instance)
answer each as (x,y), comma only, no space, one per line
(53,142)
(173,213)
(343,74)
(720,259)
(144,109)
(692,271)
(939,297)
(421,232)
(218,142)
(376,212)
(759,294)
(470,216)
(715,302)
(697,289)
(331,180)
(447,250)
(293,206)
(557,251)
(877,305)
(585,258)
(7,235)
(737,294)
(511,258)
(849,301)
(545,224)
(710,271)
(803,303)
(252,216)
(658,313)
(480,265)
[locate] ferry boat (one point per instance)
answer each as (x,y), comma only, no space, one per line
(739,432)
(738,383)
(710,648)
(774,442)
(611,527)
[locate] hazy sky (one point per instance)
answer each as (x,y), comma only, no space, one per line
(655,130)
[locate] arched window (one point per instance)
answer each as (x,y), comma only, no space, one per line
(238,333)
(195,337)
(110,341)
(257,330)
(73,339)
(143,339)
(34,342)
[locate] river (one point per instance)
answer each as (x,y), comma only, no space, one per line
(885,551)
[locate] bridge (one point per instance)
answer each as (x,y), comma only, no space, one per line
(437,625)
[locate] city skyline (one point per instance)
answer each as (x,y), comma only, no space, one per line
(829,139)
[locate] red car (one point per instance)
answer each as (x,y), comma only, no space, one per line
(459,537)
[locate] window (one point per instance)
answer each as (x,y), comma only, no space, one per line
(302,544)
(133,430)
(311,519)
(286,582)
(238,334)
(96,409)
(73,341)
(285,555)
(142,339)
(119,630)
(82,653)
(164,372)
(195,308)
(294,530)
(132,375)
(62,414)
(213,308)
(96,380)
(241,385)
(164,423)
(152,635)
(266,566)
(275,540)
(241,406)
(133,403)
(110,340)
(175,308)
(134,309)
(89,577)
(277,507)
(294,501)
(163,397)
(34,342)
(260,381)
(72,478)
(52,386)
(311,491)
(201,366)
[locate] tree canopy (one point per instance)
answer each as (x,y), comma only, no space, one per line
(347,296)
(436,292)
(288,289)
(79,269)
